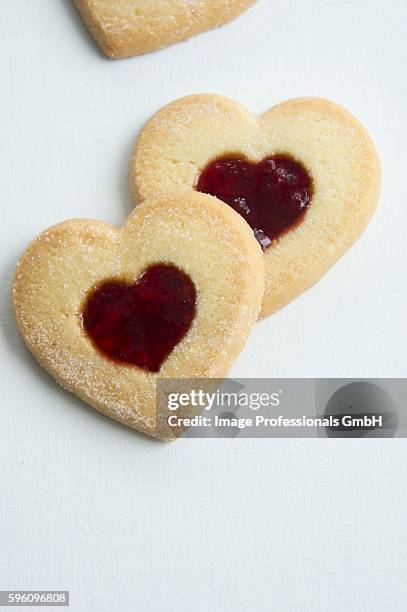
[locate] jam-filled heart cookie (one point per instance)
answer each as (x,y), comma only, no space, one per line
(173,294)
(305,176)
(130,27)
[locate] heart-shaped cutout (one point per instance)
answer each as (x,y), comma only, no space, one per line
(335,161)
(141,323)
(131,27)
(170,248)
(271,195)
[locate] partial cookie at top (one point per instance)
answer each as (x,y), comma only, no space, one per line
(65,264)
(124,28)
(332,146)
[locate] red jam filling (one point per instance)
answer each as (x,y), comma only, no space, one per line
(140,324)
(271,195)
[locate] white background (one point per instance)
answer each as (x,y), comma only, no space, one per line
(133,525)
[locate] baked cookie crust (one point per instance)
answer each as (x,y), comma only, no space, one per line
(192,231)
(181,139)
(124,28)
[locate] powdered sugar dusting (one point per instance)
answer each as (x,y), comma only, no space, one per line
(212,245)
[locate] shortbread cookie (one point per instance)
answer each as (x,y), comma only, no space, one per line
(107,311)
(130,27)
(305,176)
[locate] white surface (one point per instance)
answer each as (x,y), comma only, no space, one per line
(128,524)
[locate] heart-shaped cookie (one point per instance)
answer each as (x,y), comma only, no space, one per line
(130,27)
(107,311)
(305,176)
